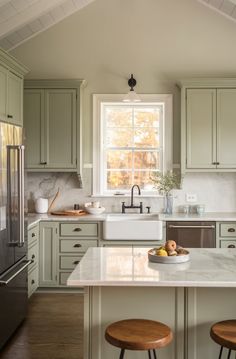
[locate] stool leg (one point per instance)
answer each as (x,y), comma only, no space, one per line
(154,353)
(122,352)
(221,349)
(229,352)
(149,354)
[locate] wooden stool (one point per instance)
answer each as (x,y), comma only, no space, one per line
(138,334)
(224,334)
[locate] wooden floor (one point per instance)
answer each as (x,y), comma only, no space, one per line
(53,329)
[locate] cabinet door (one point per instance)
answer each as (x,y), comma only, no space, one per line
(60,115)
(226,128)
(3,92)
(34,128)
(48,253)
(201,128)
(15,99)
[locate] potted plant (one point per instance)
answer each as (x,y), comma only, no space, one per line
(165,183)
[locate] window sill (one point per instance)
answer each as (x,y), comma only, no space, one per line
(126,195)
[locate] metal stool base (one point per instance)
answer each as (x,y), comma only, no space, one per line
(221,351)
(122,353)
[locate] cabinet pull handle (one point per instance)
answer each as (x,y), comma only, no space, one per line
(43,163)
(231,230)
(33,235)
(217,163)
(9,116)
(231,246)
(76,262)
(77,245)
(214,163)
(32,282)
(33,256)
(77,229)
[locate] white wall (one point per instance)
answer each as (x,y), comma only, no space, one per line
(160,41)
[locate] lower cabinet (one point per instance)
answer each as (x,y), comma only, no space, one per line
(62,246)
(48,253)
(33,254)
(226,235)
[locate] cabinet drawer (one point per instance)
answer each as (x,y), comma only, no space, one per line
(33,235)
(69,262)
(79,229)
(228,244)
(33,254)
(76,245)
(33,280)
(63,276)
(228,230)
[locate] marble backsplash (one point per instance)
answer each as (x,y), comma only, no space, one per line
(217,191)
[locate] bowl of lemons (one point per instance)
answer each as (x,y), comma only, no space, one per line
(170,253)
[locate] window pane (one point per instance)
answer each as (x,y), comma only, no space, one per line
(146,137)
(119,159)
(118,117)
(147,117)
(142,178)
(146,159)
(119,137)
(119,180)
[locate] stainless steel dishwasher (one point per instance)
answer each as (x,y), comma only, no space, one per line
(195,234)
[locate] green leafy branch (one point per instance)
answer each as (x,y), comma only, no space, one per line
(165,183)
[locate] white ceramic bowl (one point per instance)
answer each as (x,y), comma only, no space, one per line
(93,210)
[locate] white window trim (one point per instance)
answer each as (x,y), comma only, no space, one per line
(167,99)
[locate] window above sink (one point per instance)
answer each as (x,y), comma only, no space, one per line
(131,142)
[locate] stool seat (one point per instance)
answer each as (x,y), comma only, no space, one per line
(138,334)
(224,333)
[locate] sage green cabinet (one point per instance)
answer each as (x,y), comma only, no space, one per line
(33,255)
(62,247)
(3,92)
(34,127)
(226,128)
(208,126)
(48,253)
(201,128)
(15,99)
(11,89)
(52,125)
(226,234)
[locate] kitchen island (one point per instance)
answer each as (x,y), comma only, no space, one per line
(121,283)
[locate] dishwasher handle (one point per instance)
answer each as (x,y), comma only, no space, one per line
(192,226)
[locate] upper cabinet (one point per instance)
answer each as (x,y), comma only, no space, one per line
(52,125)
(11,89)
(208,126)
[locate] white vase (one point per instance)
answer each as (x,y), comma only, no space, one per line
(41,205)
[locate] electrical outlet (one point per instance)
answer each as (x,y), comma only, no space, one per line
(191,197)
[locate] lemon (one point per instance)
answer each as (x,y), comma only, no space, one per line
(162,252)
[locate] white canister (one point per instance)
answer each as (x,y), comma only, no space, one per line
(41,205)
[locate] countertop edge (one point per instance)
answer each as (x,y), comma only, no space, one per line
(34,218)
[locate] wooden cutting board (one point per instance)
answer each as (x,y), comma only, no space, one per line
(71,212)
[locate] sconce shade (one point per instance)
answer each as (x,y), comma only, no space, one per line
(132,96)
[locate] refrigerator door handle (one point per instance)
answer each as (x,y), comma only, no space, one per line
(20,165)
(20,189)
(25,265)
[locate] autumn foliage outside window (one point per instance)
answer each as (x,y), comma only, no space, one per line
(132,145)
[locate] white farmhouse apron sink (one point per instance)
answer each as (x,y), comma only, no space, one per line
(132,227)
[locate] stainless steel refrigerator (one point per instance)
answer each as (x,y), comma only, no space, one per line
(13,232)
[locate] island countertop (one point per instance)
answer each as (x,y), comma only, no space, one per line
(215,267)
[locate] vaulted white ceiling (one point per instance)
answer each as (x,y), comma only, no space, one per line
(224,7)
(20,20)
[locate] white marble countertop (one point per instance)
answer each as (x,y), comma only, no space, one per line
(34,218)
(130,267)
